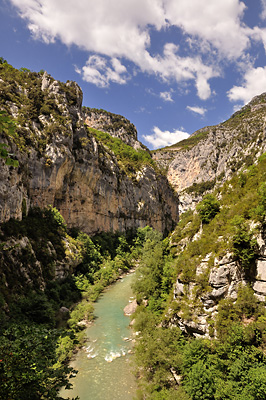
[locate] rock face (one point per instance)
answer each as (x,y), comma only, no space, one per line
(131,307)
(116,125)
(259,285)
(62,164)
(26,264)
(212,154)
(224,279)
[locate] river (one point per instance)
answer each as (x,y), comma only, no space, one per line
(104,364)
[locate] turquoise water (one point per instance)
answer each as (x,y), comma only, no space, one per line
(104,364)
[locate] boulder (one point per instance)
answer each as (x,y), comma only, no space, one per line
(131,308)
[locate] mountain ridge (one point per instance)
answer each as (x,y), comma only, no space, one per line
(212,154)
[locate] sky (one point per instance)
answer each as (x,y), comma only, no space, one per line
(170,66)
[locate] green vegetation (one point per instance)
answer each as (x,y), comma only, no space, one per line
(129,159)
(21,91)
(187,144)
(117,122)
(208,208)
(232,364)
(40,316)
(50,276)
(154,275)
(202,187)
(27,365)
(244,245)
(7,127)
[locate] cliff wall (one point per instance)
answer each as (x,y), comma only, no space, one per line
(64,163)
(212,154)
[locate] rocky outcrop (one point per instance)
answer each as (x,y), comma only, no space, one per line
(212,154)
(116,125)
(224,280)
(65,166)
(26,264)
(259,285)
(131,308)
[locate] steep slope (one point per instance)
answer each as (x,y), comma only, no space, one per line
(212,154)
(202,318)
(96,180)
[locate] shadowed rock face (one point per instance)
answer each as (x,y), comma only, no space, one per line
(79,175)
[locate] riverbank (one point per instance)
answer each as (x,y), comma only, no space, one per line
(103,365)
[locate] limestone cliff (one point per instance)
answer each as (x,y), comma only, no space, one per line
(212,154)
(223,282)
(67,163)
(219,258)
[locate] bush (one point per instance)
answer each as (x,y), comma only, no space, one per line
(244,245)
(208,208)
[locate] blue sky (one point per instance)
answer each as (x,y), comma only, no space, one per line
(169,66)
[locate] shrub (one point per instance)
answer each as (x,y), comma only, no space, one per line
(244,245)
(208,208)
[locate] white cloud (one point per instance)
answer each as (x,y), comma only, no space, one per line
(259,34)
(166,96)
(253,85)
(165,138)
(172,67)
(98,71)
(120,29)
(215,22)
(113,27)
(263,5)
(197,110)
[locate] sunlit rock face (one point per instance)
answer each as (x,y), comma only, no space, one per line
(63,165)
(213,153)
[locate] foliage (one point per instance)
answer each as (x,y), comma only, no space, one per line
(28,355)
(154,276)
(230,366)
(23,89)
(189,143)
(7,126)
(261,208)
(129,159)
(91,256)
(208,208)
(157,352)
(82,311)
(200,188)
(38,309)
(244,245)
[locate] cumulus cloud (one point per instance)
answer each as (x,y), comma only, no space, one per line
(165,138)
(216,22)
(114,28)
(197,110)
(100,72)
(166,96)
(121,30)
(254,83)
(263,5)
(170,66)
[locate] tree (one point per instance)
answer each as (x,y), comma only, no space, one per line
(27,364)
(244,244)
(208,208)
(7,126)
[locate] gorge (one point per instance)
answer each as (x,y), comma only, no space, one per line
(88,202)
